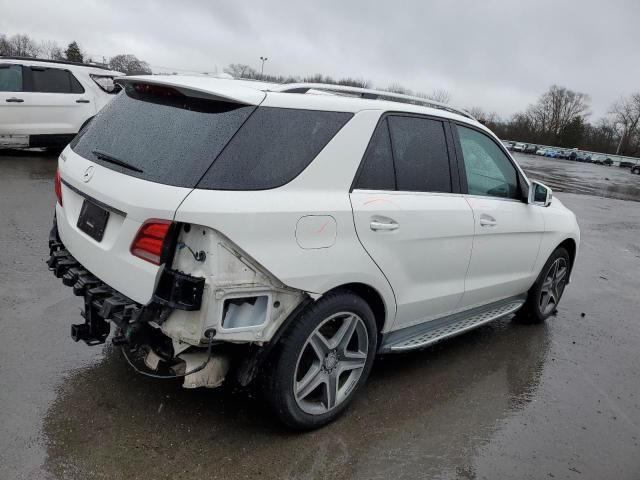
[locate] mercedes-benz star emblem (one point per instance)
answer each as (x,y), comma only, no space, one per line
(88,173)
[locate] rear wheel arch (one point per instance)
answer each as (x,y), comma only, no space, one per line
(370,295)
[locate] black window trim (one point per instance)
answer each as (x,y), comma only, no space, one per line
(27,79)
(451,153)
(523,184)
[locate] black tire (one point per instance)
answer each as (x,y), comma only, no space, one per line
(280,376)
(534,309)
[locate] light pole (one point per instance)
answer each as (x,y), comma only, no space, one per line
(263,59)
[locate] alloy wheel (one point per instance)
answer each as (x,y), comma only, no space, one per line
(330,363)
(553,286)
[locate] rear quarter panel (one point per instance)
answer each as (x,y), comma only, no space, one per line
(263,223)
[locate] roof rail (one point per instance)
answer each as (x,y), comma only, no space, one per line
(370,94)
(48,60)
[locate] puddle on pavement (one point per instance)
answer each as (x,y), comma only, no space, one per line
(415,411)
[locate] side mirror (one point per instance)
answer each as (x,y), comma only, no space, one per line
(539,194)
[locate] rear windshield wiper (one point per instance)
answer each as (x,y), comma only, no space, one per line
(116,161)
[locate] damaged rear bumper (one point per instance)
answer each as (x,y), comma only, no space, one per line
(187,315)
(102,303)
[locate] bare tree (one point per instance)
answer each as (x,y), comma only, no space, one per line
(51,50)
(439,95)
(129,64)
(626,116)
(5,47)
(484,117)
(556,110)
(19,45)
(240,70)
(397,88)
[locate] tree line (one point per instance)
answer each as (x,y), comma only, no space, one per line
(21,45)
(241,70)
(560,118)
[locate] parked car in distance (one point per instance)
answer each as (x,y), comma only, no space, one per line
(626,164)
(583,157)
(507,144)
(44,103)
(599,159)
(156,230)
(551,153)
(541,151)
(530,148)
(519,147)
(636,169)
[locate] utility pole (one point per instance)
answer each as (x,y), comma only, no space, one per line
(263,59)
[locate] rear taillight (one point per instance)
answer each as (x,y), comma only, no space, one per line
(58,186)
(150,240)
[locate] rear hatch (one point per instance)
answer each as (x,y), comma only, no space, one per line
(138,160)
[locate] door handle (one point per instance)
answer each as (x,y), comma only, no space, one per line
(487,221)
(14,100)
(384,226)
(82,100)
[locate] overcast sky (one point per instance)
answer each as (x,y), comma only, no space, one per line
(499,55)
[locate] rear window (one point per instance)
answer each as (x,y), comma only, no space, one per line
(166,137)
(52,80)
(272,148)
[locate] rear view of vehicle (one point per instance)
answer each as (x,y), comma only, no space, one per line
(165,262)
(45,103)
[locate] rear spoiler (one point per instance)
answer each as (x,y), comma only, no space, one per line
(202,87)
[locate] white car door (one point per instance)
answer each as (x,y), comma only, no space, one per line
(408,218)
(11,103)
(508,231)
(54,102)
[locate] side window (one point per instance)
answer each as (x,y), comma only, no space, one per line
(377,165)
(10,78)
(272,148)
(53,80)
(489,171)
(420,154)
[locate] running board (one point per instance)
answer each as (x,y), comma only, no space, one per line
(428,333)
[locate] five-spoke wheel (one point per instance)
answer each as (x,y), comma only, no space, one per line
(331,363)
(322,360)
(553,286)
(545,294)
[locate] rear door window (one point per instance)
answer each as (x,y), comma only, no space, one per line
(420,154)
(10,78)
(377,172)
(272,148)
(52,80)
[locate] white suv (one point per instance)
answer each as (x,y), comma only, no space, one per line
(44,103)
(292,232)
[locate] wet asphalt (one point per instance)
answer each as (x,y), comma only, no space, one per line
(558,400)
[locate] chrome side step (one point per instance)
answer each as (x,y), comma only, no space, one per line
(428,333)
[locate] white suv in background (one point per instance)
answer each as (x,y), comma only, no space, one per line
(241,230)
(44,103)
